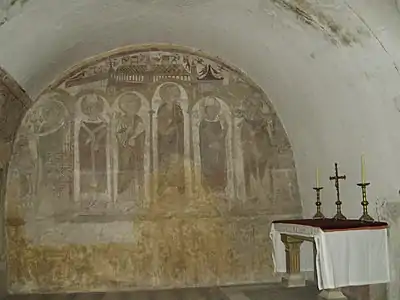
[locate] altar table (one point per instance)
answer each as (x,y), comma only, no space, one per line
(347,252)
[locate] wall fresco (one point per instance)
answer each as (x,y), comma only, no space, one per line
(156,168)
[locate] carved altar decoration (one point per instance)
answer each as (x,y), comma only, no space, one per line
(150,168)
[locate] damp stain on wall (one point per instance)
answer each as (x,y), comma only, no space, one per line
(316,18)
(10,8)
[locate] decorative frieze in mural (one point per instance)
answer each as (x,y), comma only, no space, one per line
(143,136)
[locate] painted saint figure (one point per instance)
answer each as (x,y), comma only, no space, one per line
(131,135)
(93,146)
(170,141)
(46,125)
(25,165)
(212,134)
(256,143)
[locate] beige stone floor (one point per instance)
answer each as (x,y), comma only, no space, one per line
(260,292)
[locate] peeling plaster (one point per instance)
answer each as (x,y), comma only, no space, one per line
(310,15)
(176,3)
(9,9)
(373,34)
(317,97)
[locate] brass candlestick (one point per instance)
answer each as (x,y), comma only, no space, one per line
(336,178)
(319,214)
(365,216)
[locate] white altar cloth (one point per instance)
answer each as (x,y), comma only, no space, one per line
(343,258)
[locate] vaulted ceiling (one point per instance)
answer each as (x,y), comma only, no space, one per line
(331,68)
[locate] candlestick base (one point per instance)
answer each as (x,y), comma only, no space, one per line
(366,218)
(339,216)
(319,215)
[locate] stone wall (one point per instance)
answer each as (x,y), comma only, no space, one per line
(147,169)
(388,210)
(13,105)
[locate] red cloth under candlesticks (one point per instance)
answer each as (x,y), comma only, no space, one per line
(332,224)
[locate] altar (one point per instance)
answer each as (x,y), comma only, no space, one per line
(347,252)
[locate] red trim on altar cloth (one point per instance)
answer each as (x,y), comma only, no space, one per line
(336,225)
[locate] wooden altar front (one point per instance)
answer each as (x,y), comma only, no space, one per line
(347,253)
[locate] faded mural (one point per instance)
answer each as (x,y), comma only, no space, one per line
(156,168)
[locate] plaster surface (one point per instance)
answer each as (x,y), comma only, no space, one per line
(150,168)
(323,127)
(329,68)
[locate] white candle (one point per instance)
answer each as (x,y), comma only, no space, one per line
(317,177)
(362,168)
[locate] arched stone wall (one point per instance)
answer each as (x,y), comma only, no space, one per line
(13,104)
(147,168)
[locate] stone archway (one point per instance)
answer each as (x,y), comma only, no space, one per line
(147,168)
